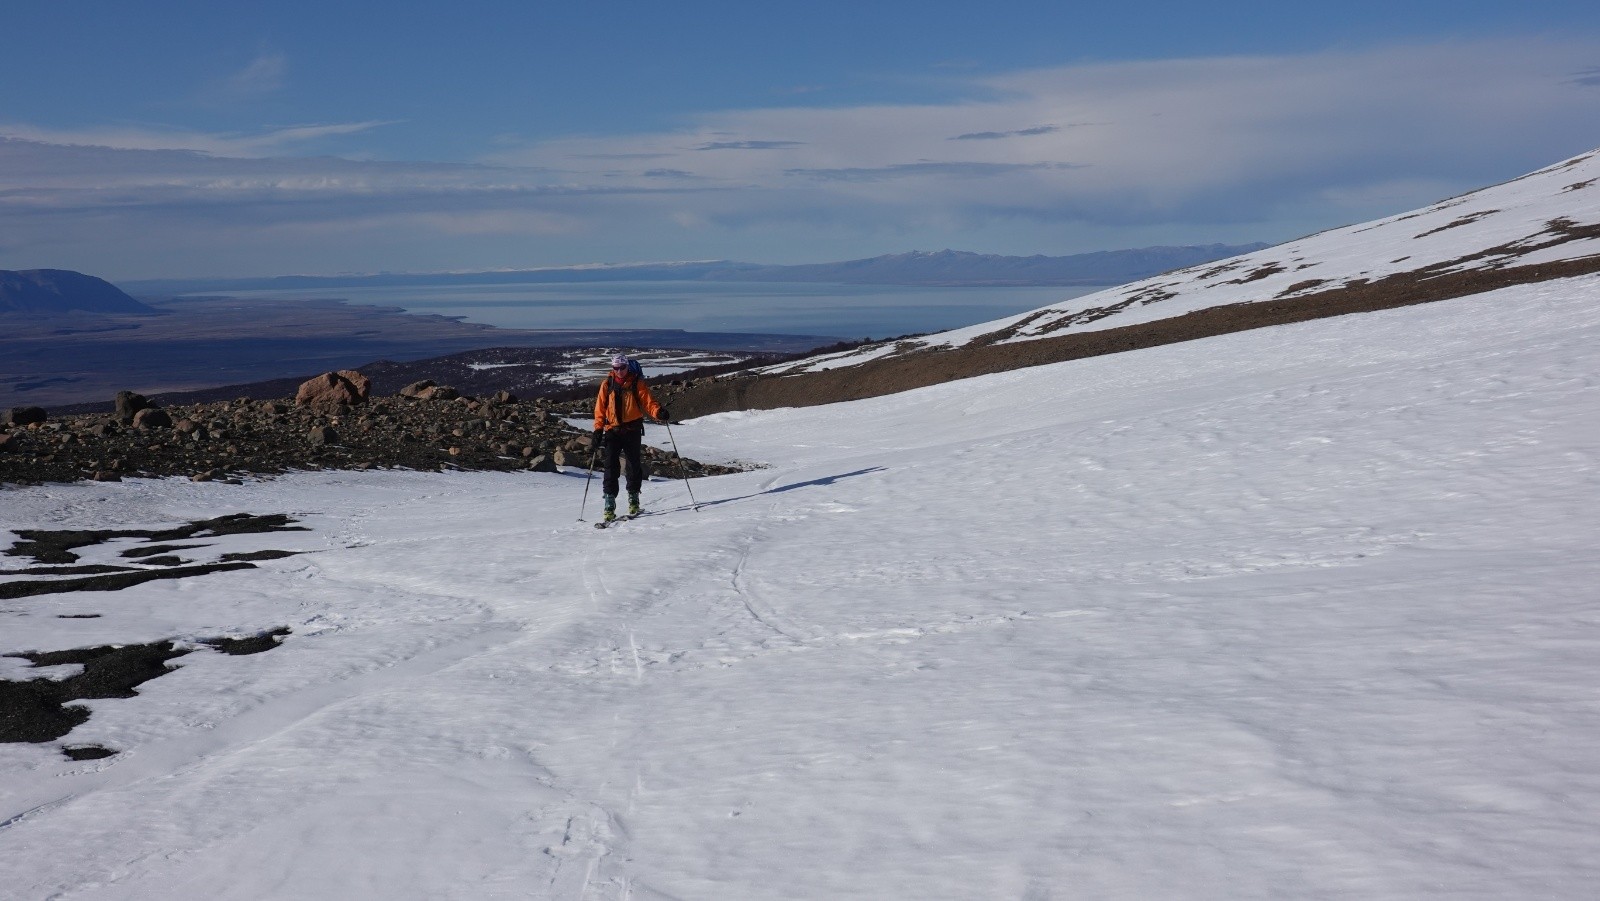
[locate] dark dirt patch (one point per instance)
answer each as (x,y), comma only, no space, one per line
(166,560)
(41,710)
(1297,287)
(258,555)
(46,546)
(1257,274)
(159,549)
(77,616)
(112,582)
(889,375)
(1457,223)
(93,569)
(255,644)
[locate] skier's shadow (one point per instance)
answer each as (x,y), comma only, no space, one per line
(811,483)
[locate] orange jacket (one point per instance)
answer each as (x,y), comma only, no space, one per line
(623,402)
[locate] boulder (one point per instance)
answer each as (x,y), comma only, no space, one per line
(129,403)
(8,444)
(504,397)
(415,389)
(542,463)
(152,418)
(332,390)
(105,476)
(322,435)
(439,392)
(19,416)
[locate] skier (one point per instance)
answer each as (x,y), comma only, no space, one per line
(619,412)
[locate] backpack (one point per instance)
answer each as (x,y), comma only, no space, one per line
(635,370)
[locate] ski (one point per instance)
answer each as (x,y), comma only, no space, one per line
(624,517)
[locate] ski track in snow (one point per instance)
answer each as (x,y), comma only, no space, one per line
(1303,612)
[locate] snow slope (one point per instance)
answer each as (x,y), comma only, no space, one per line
(1548,216)
(1303,612)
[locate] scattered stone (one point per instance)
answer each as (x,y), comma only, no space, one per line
(88,752)
(415,389)
(542,463)
(439,392)
(273,437)
(210,475)
(322,435)
(504,397)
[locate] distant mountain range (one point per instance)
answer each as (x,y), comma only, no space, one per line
(54,291)
(950,268)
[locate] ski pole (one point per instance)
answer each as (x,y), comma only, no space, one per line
(681,468)
(585,505)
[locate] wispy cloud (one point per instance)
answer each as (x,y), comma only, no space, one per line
(750,145)
(263,75)
(926,170)
(1182,150)
(261,143)
(1002,135)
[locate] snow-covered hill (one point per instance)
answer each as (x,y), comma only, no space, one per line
(1542,225)
(1301,612)
(1304,612)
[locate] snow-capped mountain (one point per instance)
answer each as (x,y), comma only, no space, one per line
(1299,612)
(1540,226)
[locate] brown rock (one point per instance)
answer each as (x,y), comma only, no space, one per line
(415,389)
(129,403)
(152,418)
(504,397)
(104,476)
(542,463)
(8,444)
(322,435)
(439,392)
(330,391)
(19,416)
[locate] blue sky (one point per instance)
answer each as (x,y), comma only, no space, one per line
(171,139)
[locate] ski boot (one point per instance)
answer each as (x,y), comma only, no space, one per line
(611,507)
(633,503)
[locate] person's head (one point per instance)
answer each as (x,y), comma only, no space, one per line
(619,366)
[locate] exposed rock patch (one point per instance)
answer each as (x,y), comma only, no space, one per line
(226,440)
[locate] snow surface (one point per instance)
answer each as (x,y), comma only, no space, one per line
(1303,612)
(1514,219)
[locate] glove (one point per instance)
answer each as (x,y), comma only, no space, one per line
(663,415)
(599,436)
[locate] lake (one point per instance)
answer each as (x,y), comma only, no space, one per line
(842,311)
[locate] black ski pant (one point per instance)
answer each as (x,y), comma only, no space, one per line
(624,444)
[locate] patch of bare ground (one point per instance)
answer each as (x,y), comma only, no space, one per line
(1494,268)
